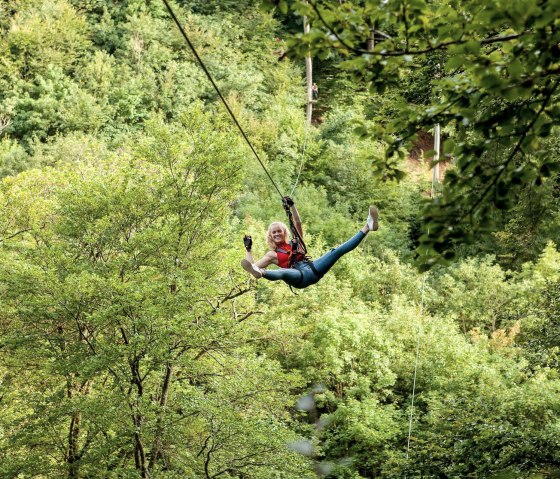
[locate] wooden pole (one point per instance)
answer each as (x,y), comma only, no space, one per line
(309,77)
(435,177)
(371,40)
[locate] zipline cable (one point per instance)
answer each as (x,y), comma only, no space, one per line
(203,66)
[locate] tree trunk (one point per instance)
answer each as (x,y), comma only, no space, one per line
(139,452)
(435,177)
(158,442)
(73,445)
(371,40)
(74,430)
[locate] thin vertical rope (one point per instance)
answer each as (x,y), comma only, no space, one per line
(422,297)
(415,369)
(302,159)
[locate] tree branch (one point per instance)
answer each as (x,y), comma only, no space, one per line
(15,234)
(249,314)
(407,51)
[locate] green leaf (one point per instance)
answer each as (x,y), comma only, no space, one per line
(456,61)
(449,146)
(472,47)
(490,81)
(283,6)
(516,68)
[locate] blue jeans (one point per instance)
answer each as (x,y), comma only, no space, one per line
(302,274)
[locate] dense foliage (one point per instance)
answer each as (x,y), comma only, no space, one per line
(487,72)
(131,342)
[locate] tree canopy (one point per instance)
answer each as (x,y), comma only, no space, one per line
(490,72)
(133,345)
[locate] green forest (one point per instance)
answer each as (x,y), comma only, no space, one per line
(132,342)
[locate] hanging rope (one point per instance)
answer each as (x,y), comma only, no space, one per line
(436,141)
(203,66)
(415,369)
(302,159)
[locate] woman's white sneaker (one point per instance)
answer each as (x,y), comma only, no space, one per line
(251,269)
(372,218)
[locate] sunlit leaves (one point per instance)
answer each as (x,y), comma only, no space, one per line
(113,303)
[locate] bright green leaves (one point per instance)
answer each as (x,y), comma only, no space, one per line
(362,356)
(121,298)
(63,63)
(50,34)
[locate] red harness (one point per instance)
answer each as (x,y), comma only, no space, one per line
(285,256)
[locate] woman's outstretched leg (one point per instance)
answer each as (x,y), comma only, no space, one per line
(291,276)
(326,262)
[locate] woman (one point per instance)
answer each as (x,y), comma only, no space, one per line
(302,272)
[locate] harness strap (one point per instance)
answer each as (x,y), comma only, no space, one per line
(297,239)
(292,254)
(316,272)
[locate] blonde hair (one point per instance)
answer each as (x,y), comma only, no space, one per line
(269,240)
